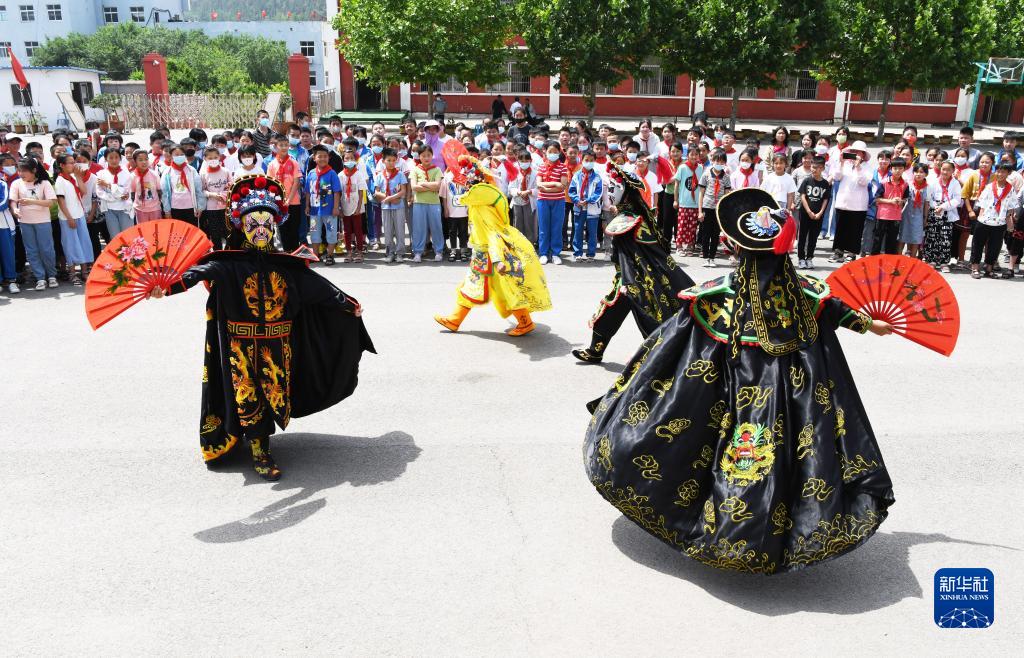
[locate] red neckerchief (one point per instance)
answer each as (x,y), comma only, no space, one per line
(730,150)
(349,173)
(898,186)
(718,143)
(586,178)
(918,199)
(945,190)
(602,160)
(320,174)
(842,146)
(881,174)
(388,179)
(114,171)
(718,183)
(982,183)
(746,177)
(958,170)
(779,148)
(283,171)
(74,184)
(999,197)
(181,173)
(693,174)
(94,168)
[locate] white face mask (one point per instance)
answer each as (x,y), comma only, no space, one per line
(960,160)
(631,156)
(746,166)
(820,149)
(81,166)
(248,162)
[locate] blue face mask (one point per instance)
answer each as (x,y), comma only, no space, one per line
(403,153)
(538,144)
(553,157)
(614,146)
(718,166)
(525,165)
(631,156)
(179,160)
(584,148)
(349,164)
(377,150)
(361,140)
(230,144)
(294,141)
(589,166)
(200,146)
(265,122)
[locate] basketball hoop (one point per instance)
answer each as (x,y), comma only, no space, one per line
(1007,71)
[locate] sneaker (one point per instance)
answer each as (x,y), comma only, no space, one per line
(438,257)
(13,288)
(417,258)
(52,282)
(850,258)
(608,255)
(555,260)
(543,260)
(835,258)
(945,269)
(575,259)
(329,258)
(76,280)
(40,284)
(451,256)
(810,263)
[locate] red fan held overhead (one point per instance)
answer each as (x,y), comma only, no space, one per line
(138,260)
(906,293)
(451,151)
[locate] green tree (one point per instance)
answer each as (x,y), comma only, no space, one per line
(745,43)
(591,52)
(389,42)
(195,62)
(1007,43)
(908,44)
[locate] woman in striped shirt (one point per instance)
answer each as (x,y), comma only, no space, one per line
(552,182)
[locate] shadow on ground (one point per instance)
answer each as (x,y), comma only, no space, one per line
(539,345)
(313,463)
(874,576)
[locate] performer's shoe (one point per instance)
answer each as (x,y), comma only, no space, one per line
(525,325)
(587,356)
(454,321)
(262,462)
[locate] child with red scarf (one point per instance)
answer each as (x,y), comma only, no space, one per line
(687,180)
(216,181)
(714,184)
(323,201)
(944,199)
(353,193)
(285,169)
(73,206)
(889,204)
(182,196)
(915,216)
(997,211)
(425,181)
(144,189)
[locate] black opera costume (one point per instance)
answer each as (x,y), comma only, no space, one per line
(736,433)
(281,341)
(647,278)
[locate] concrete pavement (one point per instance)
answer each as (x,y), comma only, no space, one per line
(443,509)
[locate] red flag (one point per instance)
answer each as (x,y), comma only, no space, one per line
(263,13)
(238,15)
(19,73)
(213,15)
(289,15)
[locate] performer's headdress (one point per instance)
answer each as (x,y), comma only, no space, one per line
(260,199)
(753,220)
(474,171)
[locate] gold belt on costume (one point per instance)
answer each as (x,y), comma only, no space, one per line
(256,330)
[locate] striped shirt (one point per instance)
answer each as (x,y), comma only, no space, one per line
(551,172)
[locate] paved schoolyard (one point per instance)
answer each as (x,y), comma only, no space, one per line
(443,509)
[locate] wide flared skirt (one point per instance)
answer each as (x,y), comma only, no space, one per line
(760,464)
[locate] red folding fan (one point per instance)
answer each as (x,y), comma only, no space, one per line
(451,151)
(905,292)
(138,260)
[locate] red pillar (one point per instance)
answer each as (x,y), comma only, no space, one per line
(298,82)
(154,71)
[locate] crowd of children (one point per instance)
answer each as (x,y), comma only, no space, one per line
(351,189)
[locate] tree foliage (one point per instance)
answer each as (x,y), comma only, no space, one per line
(909,44)
(428,41)
(592,52)
(196,62)
(276,9)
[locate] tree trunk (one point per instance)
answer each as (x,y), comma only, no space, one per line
(430,101)
(384,98)
(591,100)
(879,136)
(735,107)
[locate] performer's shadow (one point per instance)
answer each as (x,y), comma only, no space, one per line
(540,344)
(873,576)
(311,464)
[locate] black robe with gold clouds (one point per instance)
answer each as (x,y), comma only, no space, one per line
(736,433)
(281,342)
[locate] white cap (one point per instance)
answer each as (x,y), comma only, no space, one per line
(431,123)
(862,147)
(9,136)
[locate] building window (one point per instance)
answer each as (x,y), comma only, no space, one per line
(516,80)
(312,79)
(928,95)
(30,48)
(3,12)
(876,94)
(53,12)
(28,13)
(726,92)
(138,14)
(450,86)
(82,94)
(307,48)
(5,53)
(800,86)
(655,83)
(110,14)
(577,88)
(22,97)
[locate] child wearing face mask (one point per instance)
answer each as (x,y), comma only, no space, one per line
(73,206)
(144,189)
(714,184)
(8,228)
(523,190)
(286,170)
(249,162)
(216,181)
(746,175)
(585,193)
(182,195)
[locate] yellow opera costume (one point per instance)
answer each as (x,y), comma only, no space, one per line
(504,268)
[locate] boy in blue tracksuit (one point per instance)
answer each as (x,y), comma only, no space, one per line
(585,191)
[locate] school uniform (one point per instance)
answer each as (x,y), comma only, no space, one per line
(353,191)
(321,186)
(887,217)
(524,211)
(115,199)
(585,192)
(715,186)
(183,196)
(687,180)
(995,204)
(8,232)
(392,213)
